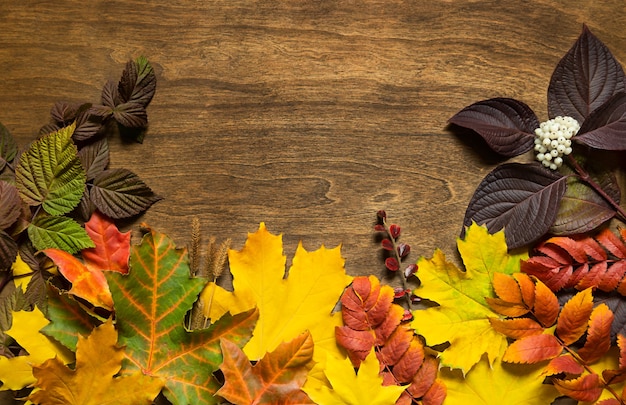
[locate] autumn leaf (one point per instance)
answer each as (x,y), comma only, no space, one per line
(16,372)
(88,284)
(372,320)
(499,383)
(347,387)
(462,317)
(112,247)
(287,306)
(150,306)
(275,379)
(92,382)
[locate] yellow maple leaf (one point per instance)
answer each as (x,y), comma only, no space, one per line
(16,372)
(345,387)
(510,384)
(287,306)
(98,359)
(20,269)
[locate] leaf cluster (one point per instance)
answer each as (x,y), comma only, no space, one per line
(571,338)
(374,322)
(530,200)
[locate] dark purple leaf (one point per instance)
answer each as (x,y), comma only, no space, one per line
(94,157)
(586,77)
(110,95)
(582,209)
(64,113)
(521,198)
(138,83)
(8,147)
(131,115)
(8,251)
(10,204)
(88,125)
(49,128)
(507,125)
(120,193)
(606,126)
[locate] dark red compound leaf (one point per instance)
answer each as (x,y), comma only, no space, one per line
(506,125)
(373,321)
(581,262)
(521,198)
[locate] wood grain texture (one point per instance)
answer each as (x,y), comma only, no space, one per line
(307,115)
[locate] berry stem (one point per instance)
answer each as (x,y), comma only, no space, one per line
(399,259)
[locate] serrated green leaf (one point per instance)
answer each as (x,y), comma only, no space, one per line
(8,147)
(59,233)
(150,306)
(68,319)
(120,193)
(50,173)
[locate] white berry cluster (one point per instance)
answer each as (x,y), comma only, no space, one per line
(554,140)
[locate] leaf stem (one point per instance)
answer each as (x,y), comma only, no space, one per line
(586,177)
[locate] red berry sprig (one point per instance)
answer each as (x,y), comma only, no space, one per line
(398,251)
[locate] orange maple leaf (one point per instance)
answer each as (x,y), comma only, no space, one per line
(98,360)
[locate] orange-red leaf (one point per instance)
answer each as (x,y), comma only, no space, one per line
(88,284)
(507,288)
(533,349)
(424,379)
(112,250)
(397,344)
(435,394)
(527,288)
(276,379)
(516,328)
(621,343)
(546,305)
(586,388)
(409,363)
(599,334)
(574,317)
(507,308)
(358,343)
(564,364)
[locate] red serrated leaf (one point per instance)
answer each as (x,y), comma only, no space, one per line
(621,343)
(276,379)
(506,125)
(572,322)
(358,343)
(564,364)
(546,305)
(586,388)
(436,394)
(424,379)
(599,334)
(516,328)
(612,243)
(412,359)
(533,349)
(527,288)
(112,251)
(397,344)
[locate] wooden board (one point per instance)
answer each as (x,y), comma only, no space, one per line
(307,115)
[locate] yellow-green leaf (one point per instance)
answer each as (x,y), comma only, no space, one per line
(501,383)
(350,388)
(462,317)
(16,372)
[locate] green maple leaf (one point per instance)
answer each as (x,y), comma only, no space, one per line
(150,306)
(462,317)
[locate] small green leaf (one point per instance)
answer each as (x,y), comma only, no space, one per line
(59,233)
(50,173)
(120,193)
(8,147)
